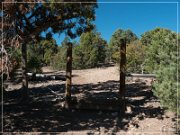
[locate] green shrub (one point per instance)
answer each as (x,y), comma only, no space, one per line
(58,62)
(161,59)
(165,87)
(34,64)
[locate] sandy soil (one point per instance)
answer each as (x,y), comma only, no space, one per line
(95,75)
(144,113)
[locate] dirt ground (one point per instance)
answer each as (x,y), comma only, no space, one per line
(43,113)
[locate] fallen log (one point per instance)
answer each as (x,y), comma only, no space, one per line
(35,77)
(141,75)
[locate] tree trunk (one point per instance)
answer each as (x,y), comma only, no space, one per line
(68,72)
(122,67)
(24,71)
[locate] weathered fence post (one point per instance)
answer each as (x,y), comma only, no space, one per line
(122,67)
(24,71)
(68,72)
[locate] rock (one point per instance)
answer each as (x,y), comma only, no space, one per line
(62,105)
(97,129)
(102,129)
(159,117)
(116,122)
(140,117)
(133,82)
(90,132)
(136,126)
(125,127)
(164,129)
(55,99)
(173,119)
(143,83)
(125,120)
(131,126)
(128,109)
(135,123)
(114,129)
(137,80)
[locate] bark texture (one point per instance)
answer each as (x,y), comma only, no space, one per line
(122,67)
(24,71)
(68,71)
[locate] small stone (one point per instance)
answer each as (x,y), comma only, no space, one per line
(125,121)
(55,99)
(97,129)
(131,126)
(164,129)
(140,117)
(128,109)
(126,127)
(173,119)
(137,80)
(105,130)
(102,129)
(135,124)
(62,105)
(90,132)
(115,129)
(159,117)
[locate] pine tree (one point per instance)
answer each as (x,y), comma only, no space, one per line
(114,43)
(30,19)
(91,50)
(162,58)
(135,57)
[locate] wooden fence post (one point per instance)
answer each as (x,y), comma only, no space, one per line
(68,72)
(122,67)
(24,71)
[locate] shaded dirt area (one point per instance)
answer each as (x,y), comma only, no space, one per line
(44,113)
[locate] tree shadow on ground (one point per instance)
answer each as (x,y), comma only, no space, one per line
(44,114)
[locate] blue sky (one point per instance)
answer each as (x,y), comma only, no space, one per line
(139,17)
